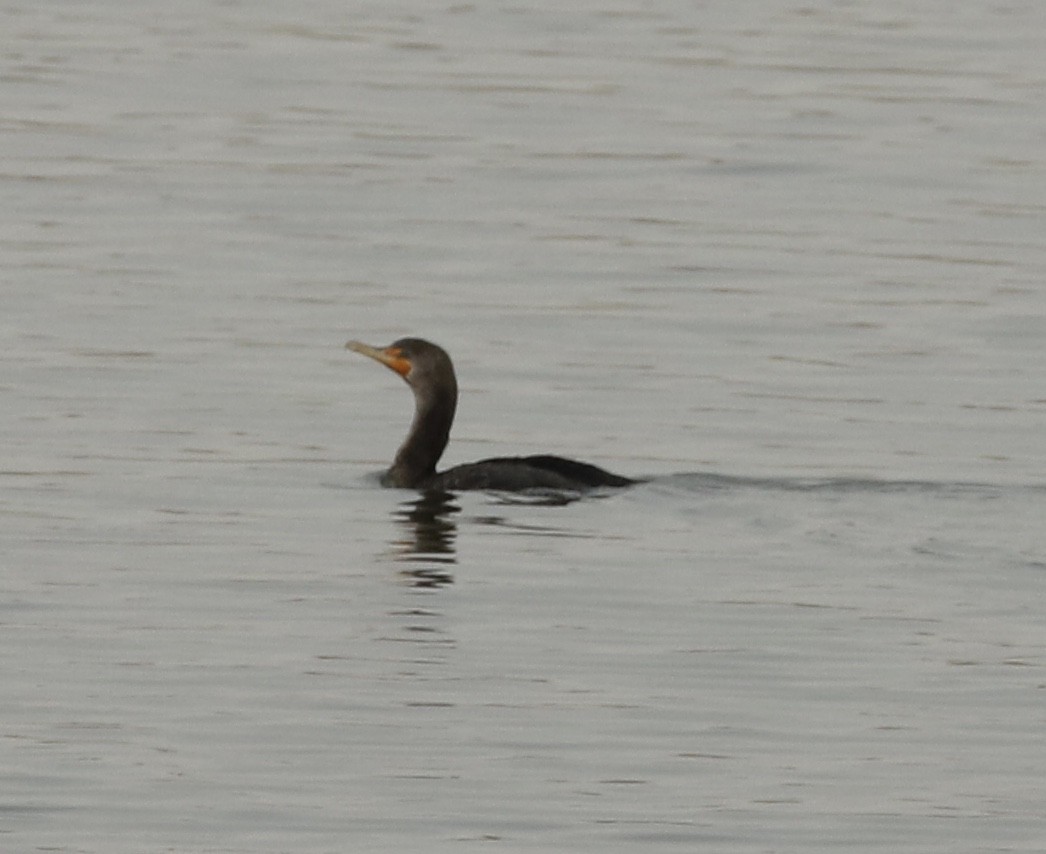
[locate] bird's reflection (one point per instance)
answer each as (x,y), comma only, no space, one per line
(429,529)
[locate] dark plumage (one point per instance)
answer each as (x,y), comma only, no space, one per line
(428,371)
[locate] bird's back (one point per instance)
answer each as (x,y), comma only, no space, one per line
(516,474)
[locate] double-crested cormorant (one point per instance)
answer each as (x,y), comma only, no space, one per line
(430,375)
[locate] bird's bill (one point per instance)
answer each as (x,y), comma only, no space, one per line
(391,357)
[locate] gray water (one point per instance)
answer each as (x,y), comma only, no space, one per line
(784,259)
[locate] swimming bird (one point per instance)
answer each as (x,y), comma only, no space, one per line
(429,372)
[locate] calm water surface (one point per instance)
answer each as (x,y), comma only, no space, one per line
(785,259)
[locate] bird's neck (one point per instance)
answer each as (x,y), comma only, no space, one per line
(416,459)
